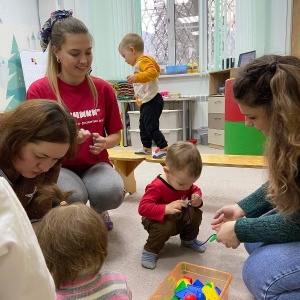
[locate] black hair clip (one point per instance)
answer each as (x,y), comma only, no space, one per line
(273,66)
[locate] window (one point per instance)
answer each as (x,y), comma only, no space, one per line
(170,29)
(220,33)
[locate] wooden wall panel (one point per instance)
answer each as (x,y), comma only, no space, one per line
(295,40)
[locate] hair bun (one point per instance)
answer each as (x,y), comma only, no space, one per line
(46,29)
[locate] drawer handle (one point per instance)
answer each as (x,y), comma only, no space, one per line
(218,101)
(217,133)
(218,118)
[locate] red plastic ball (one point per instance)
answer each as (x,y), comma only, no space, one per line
(190,297)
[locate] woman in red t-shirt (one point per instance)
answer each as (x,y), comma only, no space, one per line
(92,102)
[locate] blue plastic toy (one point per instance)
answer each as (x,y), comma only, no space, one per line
(199,290)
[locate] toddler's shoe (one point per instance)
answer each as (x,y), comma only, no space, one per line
(106,218)
(194,244)
(159,153)
(149,260)
(144,151)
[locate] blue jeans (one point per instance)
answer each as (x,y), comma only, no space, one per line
(272,271)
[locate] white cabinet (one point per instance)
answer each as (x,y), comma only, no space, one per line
(170,124)
(216,106)
(216,114)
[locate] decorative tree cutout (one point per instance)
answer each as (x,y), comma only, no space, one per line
(16,90)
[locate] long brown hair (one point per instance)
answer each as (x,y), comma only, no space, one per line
(35,121)
(59,30)
(273,83)
(52,195)
(74,240)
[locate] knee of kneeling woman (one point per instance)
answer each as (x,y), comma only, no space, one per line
(107,198)
(117,197)
(78,196)
(253,279)
(115,194)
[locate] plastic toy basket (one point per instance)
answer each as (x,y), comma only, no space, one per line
(165,290)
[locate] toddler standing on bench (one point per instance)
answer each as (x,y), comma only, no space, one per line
(145,85)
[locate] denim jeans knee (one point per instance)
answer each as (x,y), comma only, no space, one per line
(273,271)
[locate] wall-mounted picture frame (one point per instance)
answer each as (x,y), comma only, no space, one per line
(246,57)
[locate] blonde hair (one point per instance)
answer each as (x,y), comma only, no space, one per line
(273,83)
(132,40)
(184,156)
(59,29)
(74,240)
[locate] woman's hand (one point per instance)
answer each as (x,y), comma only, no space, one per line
(226,214)
(82,135)
(175,207)
(99,143)
(226,235)
(196,200)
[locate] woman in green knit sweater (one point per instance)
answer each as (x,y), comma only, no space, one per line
(267,91)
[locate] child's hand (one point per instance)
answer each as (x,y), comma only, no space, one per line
(130,79)
(196,200)
(175,207)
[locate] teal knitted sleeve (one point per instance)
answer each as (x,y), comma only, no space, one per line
(268,229)
(273,228)
(256,203)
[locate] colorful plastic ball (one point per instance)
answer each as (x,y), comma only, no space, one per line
(190,297)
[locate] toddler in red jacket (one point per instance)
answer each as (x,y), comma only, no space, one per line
(171,203)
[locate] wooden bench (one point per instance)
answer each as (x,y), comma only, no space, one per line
(125,162)
(223,160)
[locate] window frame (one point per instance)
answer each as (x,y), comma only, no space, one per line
(171,31)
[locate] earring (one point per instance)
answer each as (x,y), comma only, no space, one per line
(58,60)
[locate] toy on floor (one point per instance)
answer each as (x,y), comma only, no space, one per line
(186,289)
(190,297)
(211,239)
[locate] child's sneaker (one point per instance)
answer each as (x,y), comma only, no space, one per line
(159,153)
(144,151)
(106,218)
(149,260)
(194,244)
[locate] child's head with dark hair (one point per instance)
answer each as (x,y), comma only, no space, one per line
(183,165)
(73,239)
(184,156)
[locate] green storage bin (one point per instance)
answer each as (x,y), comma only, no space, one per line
(242,140)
